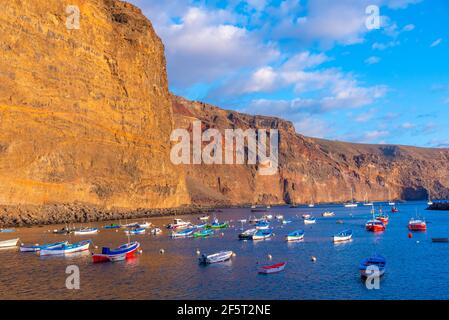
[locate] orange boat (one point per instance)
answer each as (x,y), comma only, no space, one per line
(375,226)
(417,225)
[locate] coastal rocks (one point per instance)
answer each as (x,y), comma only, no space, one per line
(441,206)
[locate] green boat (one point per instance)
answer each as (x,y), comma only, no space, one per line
(203,233)
(218,225)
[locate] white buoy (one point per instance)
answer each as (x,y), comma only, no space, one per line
(116,230)
(140,251)
(96,247)
(313,259)
(198,252)
(162,251)
(222,234)
(270,257)
(417,241)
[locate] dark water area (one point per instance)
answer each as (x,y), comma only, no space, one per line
(416,267)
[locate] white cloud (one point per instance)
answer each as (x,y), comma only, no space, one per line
(383,46)
(408,27)
(372,60)
(366,116)
(313,127)
(436,42)
(407,125)
(370,136)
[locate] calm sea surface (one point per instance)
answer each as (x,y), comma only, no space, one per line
(416,267)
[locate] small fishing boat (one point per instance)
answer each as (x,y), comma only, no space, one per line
(391,203)
(135,231)
(262,225)
(311,205)
(247,234)
(9,243)
(254,220)
(131,225)
(345,235)
(216,257)
(272,268)
(66,249)
(297,235)
(384,218)
(279,217)
(340,222)
(263,234)
(267,217)
(368,204)
(286,221)
(242,221)
(218,225)
(417,225)
(306,216)
(121,253)
(155,231)
(376,262)
(310,220)
(394,209)
(7,230)
(203,233)
(178,224)
(328,214)
(200,226)
(351,205)
(182,234)
(113,226)
(375,226)
(144,225)
(203,218)
(85,231)
(37,247)
(65,230)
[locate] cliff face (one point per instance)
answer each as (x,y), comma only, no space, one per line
(312,169)
(85,113)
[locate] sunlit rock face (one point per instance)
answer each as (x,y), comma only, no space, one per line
(85,114)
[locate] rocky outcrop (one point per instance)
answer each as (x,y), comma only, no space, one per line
(312,169)
(84,113)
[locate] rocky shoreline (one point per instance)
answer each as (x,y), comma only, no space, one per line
(440,206)
(29,215)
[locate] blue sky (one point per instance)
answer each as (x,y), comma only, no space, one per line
(315,63)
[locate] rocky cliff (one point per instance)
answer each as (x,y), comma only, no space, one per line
(85,113)
(312,169)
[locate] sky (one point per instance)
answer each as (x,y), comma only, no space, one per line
(335,68)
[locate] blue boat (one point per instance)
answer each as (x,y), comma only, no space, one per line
(66,249)
(200,226)
(263,234)
(345,235)
(121,253)
(35,248)
(135,231)
(262,225)
(183,234)
(113,226)
(375,262)
(7,230)
(295,236)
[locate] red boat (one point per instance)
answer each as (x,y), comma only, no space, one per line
(375,226)
(394,210)
(417,225)
(123,252)
(273,268)
(383,219)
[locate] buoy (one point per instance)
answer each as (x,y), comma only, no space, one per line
(313,259)
(417,241)
(410,235)
(197,251)
(96,247)
(270,257)
(162,251)
(116,230)
(222,234)
(234,254)
(140,251)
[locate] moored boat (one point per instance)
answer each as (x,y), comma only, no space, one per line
(113,226)
(216,257)
(286,221)
(9,243)
(144,225)
(328,214)
(394,209)
(383,218)
(182,234)
(203,233)
(310,220)
(37,247)
(297,235)
(247,234)
(203,218)
(417,225)
(375,226)
(262,225)
(155,231)
(66,249)
(7,230)
(262,234)
(178,224)
(345,235)
(218,225)
(121,253)
(372,265)
(84,231)
(135,231)
(200,226)
(274,268)
(279,217)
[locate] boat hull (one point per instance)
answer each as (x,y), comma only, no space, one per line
(272,268)
(65,250)
(216,258)
(121,254)
(9,243)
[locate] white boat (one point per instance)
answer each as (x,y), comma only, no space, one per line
(203,218)
(85,231)
(267,217)
(247,234)
(216,257)
(279,217)
(242,220)
(263,234)
(391,203)
(286,221)
(144,225)
(351,204)
(37,247)
(328,214)
(306,216)
(66,249)
(295,236)
(9,243)
(310,220)
(345,235)
(178,224)
(183,234)
(368,204)
(311,205)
